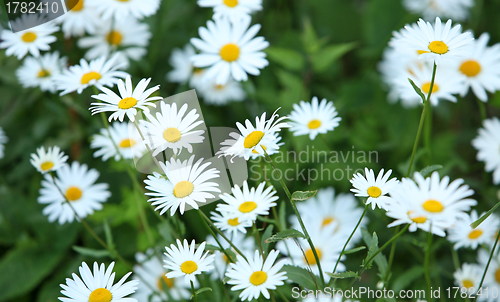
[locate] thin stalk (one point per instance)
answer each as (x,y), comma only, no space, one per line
(387,244)
(302,226)
(427,264)
(257,238)
(392,253)
(456,259)
(229,258)
(147,145)
(194,298)
(487,265)
(482,109)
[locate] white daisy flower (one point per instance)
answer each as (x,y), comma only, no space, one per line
(230,50)
(481,68)
(217,94)
(97,285)
(125,142)
(375,189)
(252,141)
(182,67)
(247,202)
(100,72)
(3,140)
(126,38)
(487,144)
(234,10)
(187,183)
(457,10)
(32,40)
(431,204)
(447,84)
(77,183)
(184,260)
(433,43)
(40,72)
(313,118)
(256,276)
(462,235)
(125,9)
(468,277)
(339,213)
(79,19)
(199,79)
(129,101)
(172,128)
(221,262)
(47,161)
(153,276)
(231,222)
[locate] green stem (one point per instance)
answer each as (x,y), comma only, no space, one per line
(257,238)
(386,245)
(456,259)
(302,226)
(482,109)
(229,258)
(427,264)
(487,265)
(392,253)
(194,298)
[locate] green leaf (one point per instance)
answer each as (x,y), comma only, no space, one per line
(429,169)
(324,58)
(284,235)
(344,275)
(210,247)
(354,250)
(310,39)
(301,276)
(417,90)
(286,57)
(109,235)
(303,195)
(267,234)
(476,223)
(91,252)
(202,290)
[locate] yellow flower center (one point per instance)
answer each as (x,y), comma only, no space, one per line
(470,68)
(309,256)
(230,52)
(247,207)
(183,188)
(419,219)
(314,124)
(497,276)
(231,3)
(47,165)
(253,139)
(100,295)
(433,206)
(114,38)
(164,280)
(90,76)
(258,277)
(374,192)
(219,87)
(327,221)
(188,267)
(474,234)
(172,135)
(426,87)
(233,221)
(73,193)
(467,283)
(127,143)
(43,73)
(74,5)
(127,103)
(438,47)
(29,37)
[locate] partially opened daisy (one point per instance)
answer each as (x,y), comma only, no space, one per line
(230,50)
(234,10)
(487,143)
(375,189)
(463,235)
(255,141)
(48,160)
(125,142)
(32,40)
(78,184)
(256,276)
(248,202)
(313,118)
(125,9)
(468,277)
(129,100)
(231,222)
(79,19)
(40,72)
(434,42)
(187,184)
(99,72)
(3,141)
(173,128)
(186,260)
(481,68)
(457,10)
(97,285)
